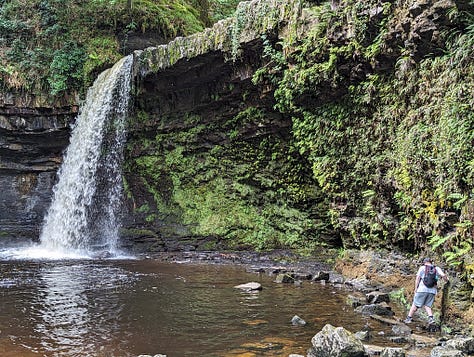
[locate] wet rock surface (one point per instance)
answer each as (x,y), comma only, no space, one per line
(33,136)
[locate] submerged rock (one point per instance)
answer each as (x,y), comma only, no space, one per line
(105,254)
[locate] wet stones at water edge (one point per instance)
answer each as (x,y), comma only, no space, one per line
(376,297)
(284,278)
(382,309)
(459,346)
(287,277)
(338,342)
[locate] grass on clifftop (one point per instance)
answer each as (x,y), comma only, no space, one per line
(58,47)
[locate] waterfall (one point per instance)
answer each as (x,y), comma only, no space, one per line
(85,209)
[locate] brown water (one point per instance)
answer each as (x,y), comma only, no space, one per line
(133,307)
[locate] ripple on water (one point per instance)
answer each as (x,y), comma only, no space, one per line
(132,307)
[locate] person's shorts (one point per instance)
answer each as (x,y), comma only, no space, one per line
(424,299)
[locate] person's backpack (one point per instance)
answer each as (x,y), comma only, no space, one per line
(429,279)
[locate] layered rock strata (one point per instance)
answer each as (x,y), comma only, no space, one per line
(33,136)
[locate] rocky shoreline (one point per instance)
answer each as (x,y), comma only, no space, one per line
(376,281)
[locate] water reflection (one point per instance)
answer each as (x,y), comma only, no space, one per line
(127,308)
(77,309)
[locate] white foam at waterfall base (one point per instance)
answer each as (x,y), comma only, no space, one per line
(38,252)
(77,205)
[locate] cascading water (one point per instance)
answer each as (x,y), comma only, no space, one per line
(84,213)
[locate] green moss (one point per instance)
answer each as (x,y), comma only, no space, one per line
(101,52)
(243,192)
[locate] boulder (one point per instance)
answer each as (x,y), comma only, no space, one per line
(336,278)
(363,335)
(392,352)
(442,351)
(401,330)
(465,344)
(335,342)
(373,350)
(360,284)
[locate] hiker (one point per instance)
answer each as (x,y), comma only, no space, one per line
(425,289)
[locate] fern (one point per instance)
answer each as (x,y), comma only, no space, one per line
(436,241)
(456,256)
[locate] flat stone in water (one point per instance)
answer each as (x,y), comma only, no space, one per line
(252,286)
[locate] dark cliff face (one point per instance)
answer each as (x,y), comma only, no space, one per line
(207,155)
(210,161)
(33,137)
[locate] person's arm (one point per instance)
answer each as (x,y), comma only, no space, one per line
(417,282)
(443,275)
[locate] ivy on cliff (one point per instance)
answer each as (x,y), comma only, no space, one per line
(378,149)
(391,148)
